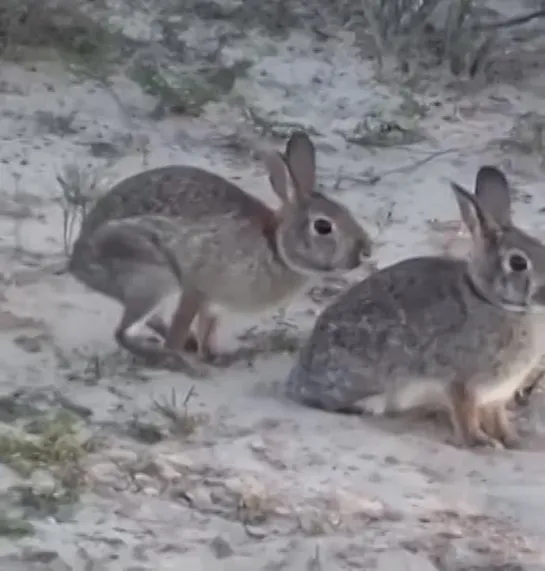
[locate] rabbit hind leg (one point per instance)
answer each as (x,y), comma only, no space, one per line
(466,418)
(135,313)
(143,291)
(159,326)
(495,422)
(191,305)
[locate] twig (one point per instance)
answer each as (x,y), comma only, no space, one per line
(372,179)
(515,21)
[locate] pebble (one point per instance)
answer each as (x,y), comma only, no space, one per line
(180,462)
(8,479)
(144,482)
(42,482)
(221,547)
(201,498)
(167,472)
(107,474)
(122,456)
(354,504)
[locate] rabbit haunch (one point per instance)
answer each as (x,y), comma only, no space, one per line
(437,332)
(183,228)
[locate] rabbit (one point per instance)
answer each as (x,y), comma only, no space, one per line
(436,332)
(183,228)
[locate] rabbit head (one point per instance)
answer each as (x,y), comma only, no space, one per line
(507,266)
(314,235)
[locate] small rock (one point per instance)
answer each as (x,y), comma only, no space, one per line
(313,523)
(200,498)
(107,474)
(350,503)
(179,462)
(30,344)
(403,560)
(8,479)
(43,483)
(143,481)
(167,472)
(221,548)
(258,446)
(122,456)
(249,486)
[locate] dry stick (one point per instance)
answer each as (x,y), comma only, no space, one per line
(511,21)
(406,168)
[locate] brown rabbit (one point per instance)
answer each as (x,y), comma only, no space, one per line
(181,226)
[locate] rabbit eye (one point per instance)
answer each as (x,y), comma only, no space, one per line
(518,263)
(322,226)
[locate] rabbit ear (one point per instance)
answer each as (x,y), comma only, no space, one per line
(477,220)
(300,156)
(278,176)
(492,192)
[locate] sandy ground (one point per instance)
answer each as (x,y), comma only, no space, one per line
(261,483)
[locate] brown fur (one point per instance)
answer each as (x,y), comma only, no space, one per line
(191,305)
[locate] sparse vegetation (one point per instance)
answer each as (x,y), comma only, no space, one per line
(79,190)
(183,422)
(62,25)
(14,527)
(91,368)
(51,444)
(183,93)
(56,124)
(45,503)
(50,441)
(428,32)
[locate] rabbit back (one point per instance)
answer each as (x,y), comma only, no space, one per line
(230,246)
(400,338)
(213,227)
(181,191)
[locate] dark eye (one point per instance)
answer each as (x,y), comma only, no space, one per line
(518,263)
(322,226)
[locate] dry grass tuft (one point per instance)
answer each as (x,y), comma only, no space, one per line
(428,32)
(79,190)
(50,442)
(63,25)
(183,421)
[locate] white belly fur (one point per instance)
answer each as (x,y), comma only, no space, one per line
(434,395)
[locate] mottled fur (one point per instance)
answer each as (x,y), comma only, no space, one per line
(181,227)
(436,332)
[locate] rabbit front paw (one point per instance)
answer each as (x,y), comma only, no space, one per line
(494,422)
(476,440)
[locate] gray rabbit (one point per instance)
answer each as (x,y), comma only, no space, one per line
(434,332)
(183,228)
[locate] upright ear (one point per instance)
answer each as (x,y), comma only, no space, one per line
(300,156)
(278,177)
(492,192)
(477,221)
